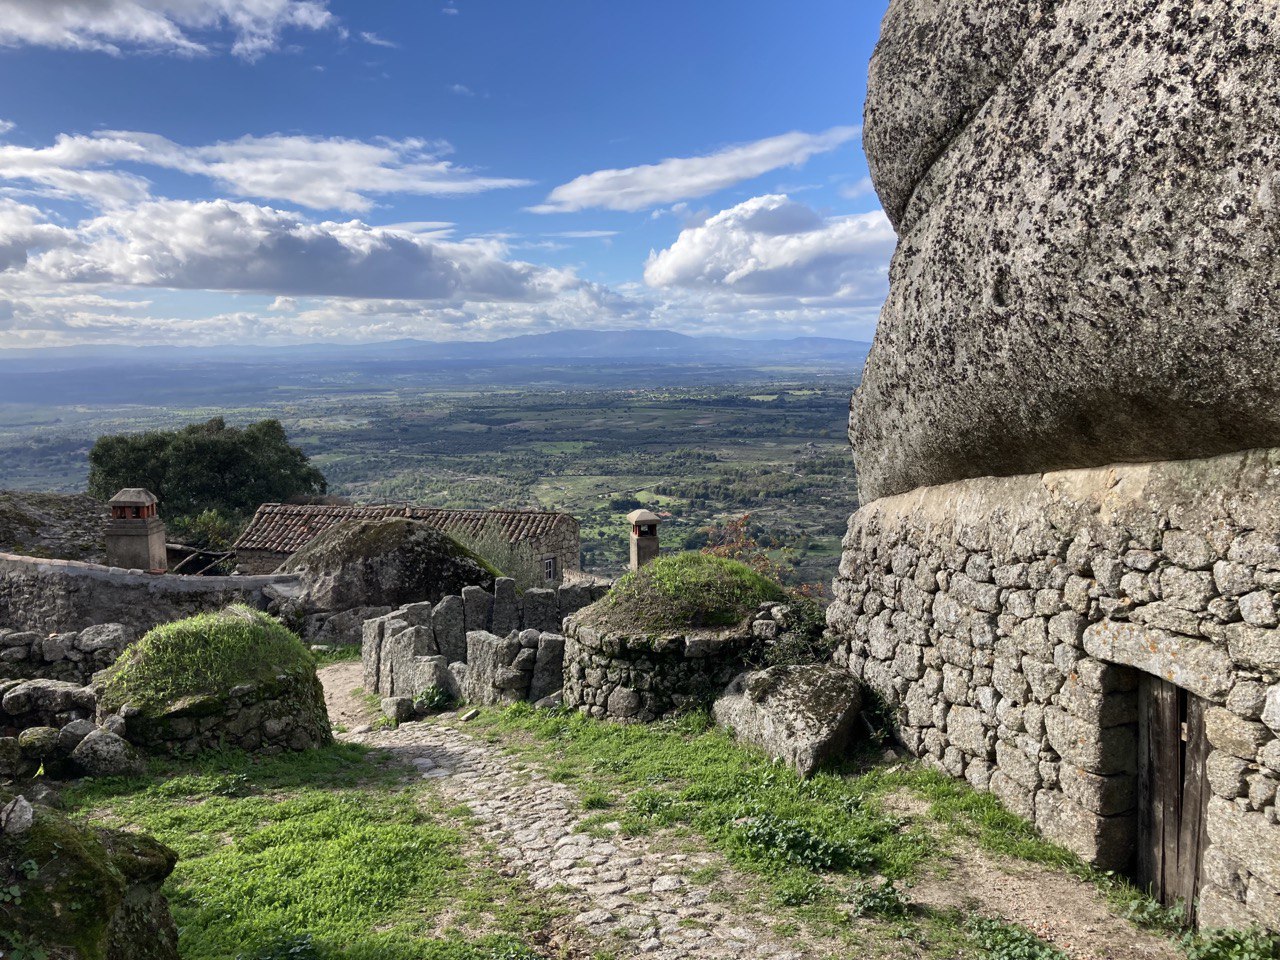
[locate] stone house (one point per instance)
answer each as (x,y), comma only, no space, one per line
(279,530)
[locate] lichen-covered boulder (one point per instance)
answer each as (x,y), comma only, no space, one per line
(385,563)
(1089,216)
(83,893)
(103,754)
(802,715)
(236,678)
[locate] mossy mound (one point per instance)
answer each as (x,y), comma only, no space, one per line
(688,591)
(386,563)
(77,891)
(205,655)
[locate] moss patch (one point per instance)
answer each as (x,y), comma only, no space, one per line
(204,655)
(685,591)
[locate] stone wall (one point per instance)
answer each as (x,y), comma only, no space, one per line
(417,647)
(72,657)
(1007,620)
(60,596)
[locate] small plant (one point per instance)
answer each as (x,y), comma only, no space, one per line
(797,889)
(1252,944)
(433,699)
(999,940)
(18,947)
(593,798)
(1147,912)
(793,842)
(882,899)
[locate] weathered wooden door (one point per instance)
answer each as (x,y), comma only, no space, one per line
(1172,791)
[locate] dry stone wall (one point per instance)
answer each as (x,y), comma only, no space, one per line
(626,675)
(61,596)
(483,646)
(71,657)
(1008,621)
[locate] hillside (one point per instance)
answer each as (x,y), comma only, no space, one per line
(63,526)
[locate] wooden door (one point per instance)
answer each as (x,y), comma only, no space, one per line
(1172,792)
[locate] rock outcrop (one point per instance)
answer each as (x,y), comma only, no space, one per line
(82,892)
(1087,201)
(802,715)
(384,563)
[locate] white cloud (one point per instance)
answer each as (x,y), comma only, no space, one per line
(240,247)
(24,230)
(584,234)
(329,174)
(673,180)
(6,126)
(374,40)
(165,26)
(462,90)
(774,248)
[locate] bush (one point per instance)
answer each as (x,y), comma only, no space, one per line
(803,639)
(685,591)
(206,654)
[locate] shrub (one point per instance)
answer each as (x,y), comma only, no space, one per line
(882,899)
(205,654)
(685,591)
(803,639)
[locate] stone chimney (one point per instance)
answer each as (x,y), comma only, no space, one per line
(644,537)
(135,532)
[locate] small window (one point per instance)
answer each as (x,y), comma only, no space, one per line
(549,567)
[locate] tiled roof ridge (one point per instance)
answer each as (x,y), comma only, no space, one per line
(288,527)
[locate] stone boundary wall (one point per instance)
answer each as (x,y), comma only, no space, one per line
(1007,620)
(414,648)
(60,596)
(644,678)
(70,657)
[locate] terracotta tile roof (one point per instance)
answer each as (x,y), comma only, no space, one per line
(287,528)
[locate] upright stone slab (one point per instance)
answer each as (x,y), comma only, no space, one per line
(548,670)
(542,611)
(478,605)
(448,625)
(506,607)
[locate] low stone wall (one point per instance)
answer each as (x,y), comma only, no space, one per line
(286,712)
(1009,620)
(72,657)
(61,596)
(412,649)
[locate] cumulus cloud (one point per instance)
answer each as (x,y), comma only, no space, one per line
(321,173)
(240,247)
(687,178)
(5,126)
(774,247)
(24,230)
(162,26)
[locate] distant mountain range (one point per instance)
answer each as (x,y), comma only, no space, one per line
(169,376)
(614,345)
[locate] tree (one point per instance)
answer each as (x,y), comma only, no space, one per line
(205,467)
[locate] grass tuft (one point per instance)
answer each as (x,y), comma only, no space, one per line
(205,654)
(684,591)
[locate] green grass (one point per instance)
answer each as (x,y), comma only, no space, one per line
(289,854)
(205,654)
(685,590)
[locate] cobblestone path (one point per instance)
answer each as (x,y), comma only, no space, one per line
(629,899)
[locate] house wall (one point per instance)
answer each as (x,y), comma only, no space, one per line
(1005,620)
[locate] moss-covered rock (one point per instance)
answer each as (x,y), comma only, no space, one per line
(85,893)
(687,591)
(369,563)
(235,678)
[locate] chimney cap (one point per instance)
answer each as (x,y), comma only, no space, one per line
(134,497)
(643,516)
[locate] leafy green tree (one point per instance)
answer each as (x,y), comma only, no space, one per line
(205,467)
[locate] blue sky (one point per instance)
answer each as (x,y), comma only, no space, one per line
(211,171)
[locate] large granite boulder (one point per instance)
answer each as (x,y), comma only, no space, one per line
(385,563)
(82,892)
(803,715)
(1086,196)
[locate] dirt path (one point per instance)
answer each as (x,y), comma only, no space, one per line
(630,897)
